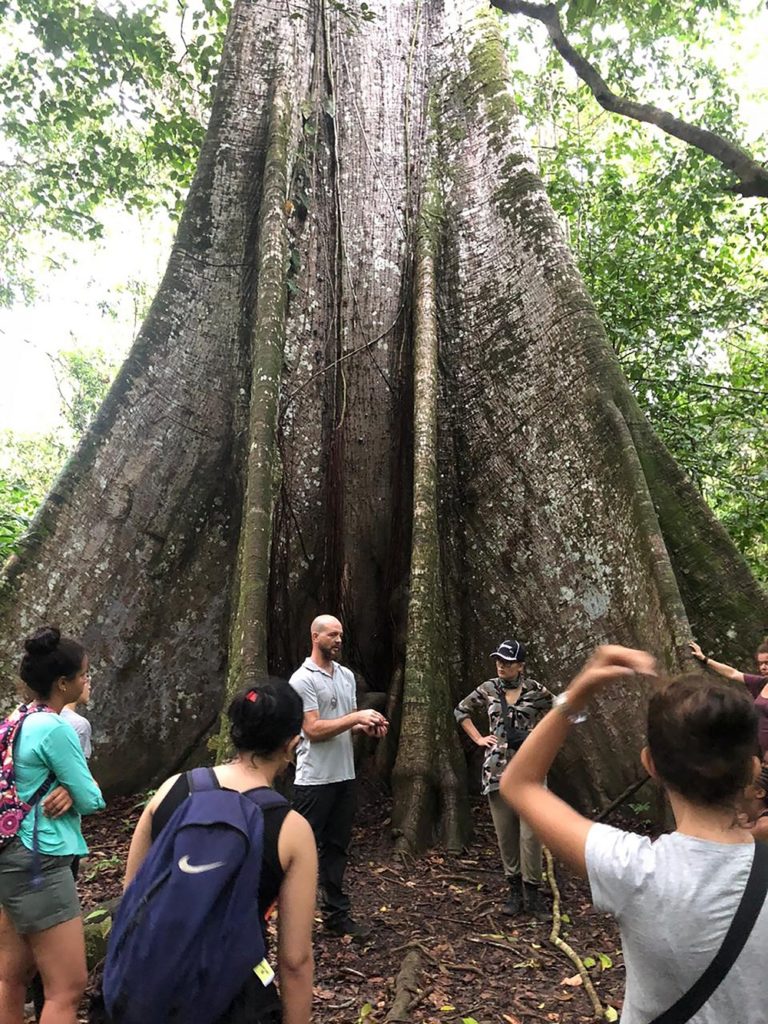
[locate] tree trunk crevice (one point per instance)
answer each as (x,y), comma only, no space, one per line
(371,383)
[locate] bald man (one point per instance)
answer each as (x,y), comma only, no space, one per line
(325,767)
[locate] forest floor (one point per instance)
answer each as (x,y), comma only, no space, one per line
(440,916)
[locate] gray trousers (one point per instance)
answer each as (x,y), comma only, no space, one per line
(519,848)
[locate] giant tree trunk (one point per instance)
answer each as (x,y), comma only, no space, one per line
(372,384)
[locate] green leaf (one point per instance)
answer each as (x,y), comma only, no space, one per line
(95,915)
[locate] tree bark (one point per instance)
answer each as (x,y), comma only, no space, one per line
(372,383)
(426,780)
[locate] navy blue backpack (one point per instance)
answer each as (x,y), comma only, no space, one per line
(188,931)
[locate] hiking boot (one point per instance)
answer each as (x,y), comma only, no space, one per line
(534,901)
(347,926)
(514,904)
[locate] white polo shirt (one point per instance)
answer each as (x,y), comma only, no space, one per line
(332,696)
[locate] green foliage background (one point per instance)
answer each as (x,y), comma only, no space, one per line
(676,264)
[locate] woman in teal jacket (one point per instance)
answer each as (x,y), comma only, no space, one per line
(41,924)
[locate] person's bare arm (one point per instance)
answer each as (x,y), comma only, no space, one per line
(472,731)
(728,671)
(296,911)
(471,703)
(558,825)
(142,834)
(318,729)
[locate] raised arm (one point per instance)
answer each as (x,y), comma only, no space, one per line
(555,822)
(296,910)
(717,666)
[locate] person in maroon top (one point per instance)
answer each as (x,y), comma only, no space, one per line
(757,684)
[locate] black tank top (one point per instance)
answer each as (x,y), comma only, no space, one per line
(254,998)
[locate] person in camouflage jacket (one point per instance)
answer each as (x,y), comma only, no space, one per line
(513,703)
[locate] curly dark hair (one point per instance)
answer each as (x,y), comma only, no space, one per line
(47,657)
(702,736)
(264,717)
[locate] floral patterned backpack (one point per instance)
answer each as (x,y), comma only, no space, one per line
(13,809)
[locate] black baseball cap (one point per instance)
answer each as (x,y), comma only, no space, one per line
(510,650)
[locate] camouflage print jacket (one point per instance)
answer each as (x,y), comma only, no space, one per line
(533,702)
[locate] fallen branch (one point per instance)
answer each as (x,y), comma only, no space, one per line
(752,176)
(414,944)
(507,946)
(562,945)
(341,1006)
(461,967)
(464,879)
(406,989)
(458,920)
(625,795)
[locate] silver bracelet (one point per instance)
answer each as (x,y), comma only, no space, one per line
(562,704)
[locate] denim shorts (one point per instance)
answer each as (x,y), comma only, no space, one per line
(33,908)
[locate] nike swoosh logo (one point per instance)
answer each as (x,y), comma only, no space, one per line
(198,869)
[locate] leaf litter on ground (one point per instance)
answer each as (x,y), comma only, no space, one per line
(475,964)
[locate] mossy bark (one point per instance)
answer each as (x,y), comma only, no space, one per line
(135,547)
(426,433)
(248,636)
(428,790)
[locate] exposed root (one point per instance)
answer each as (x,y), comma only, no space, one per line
(406,989)
(454,808)
(413,829)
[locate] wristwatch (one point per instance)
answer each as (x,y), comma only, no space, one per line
(562,704)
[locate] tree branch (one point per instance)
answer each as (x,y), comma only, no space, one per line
(599,1011)
(753,176)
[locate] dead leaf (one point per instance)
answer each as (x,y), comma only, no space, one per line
(574,982)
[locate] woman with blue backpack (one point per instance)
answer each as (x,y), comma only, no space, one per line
(43,769)
(215,850)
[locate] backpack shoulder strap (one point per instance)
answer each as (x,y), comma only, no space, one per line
(201,779)
(744,919)
(265,798)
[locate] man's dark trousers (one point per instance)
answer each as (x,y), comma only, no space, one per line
(330,810)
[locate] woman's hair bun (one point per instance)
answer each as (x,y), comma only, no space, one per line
(265,716)
(43,640)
